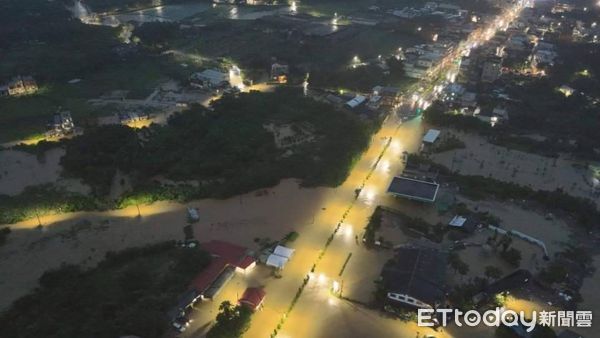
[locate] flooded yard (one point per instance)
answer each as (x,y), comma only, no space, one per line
(480,157)
(85,237)
(19,170)
(553,231)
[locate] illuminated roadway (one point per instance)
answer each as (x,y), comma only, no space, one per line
(318,313)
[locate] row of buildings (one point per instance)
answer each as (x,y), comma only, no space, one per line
(20,85)
(227,259)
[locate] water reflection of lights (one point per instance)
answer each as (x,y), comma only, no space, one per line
(396,147)
(335,288)
(384,166)
(346,229)
(368,195)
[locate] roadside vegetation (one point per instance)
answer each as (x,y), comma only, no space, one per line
(41,200)
(582,210)
(212,153)
(232,321)
(129,293)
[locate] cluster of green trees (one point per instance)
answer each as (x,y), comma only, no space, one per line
(44,199)
(42,49)
(457,264)
(450,143)
(432,232)
(437,114)
(129,293)
(583,210)
(362,78)
(227,150)
(372,227)
(232,321)
(96,156)
(228,147)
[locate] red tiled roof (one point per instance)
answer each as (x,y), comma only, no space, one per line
(205,278)
(224,254)
(246,262)
(253,297)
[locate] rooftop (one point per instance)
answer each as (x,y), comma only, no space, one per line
(418,272)
(224,254)
(253,297)
(414,189)
(431,136)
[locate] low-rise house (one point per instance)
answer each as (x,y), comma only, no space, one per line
(280,256)
(416,277)
(512,281)
(210,78)
(131,117)
(356,101)
(227,259)
(279,73)
(390,96)
(253,298)
(491,116)
(414,189)
(467,224)
(543,57)
(566,90)
(20,85)
(61,123)
(429,139)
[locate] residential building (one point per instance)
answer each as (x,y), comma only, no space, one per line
(279,73)
(61,123)
(20,85)
(416,277)
(210,78)
(253,298)
(390,96)
(227,259)
(414,189)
